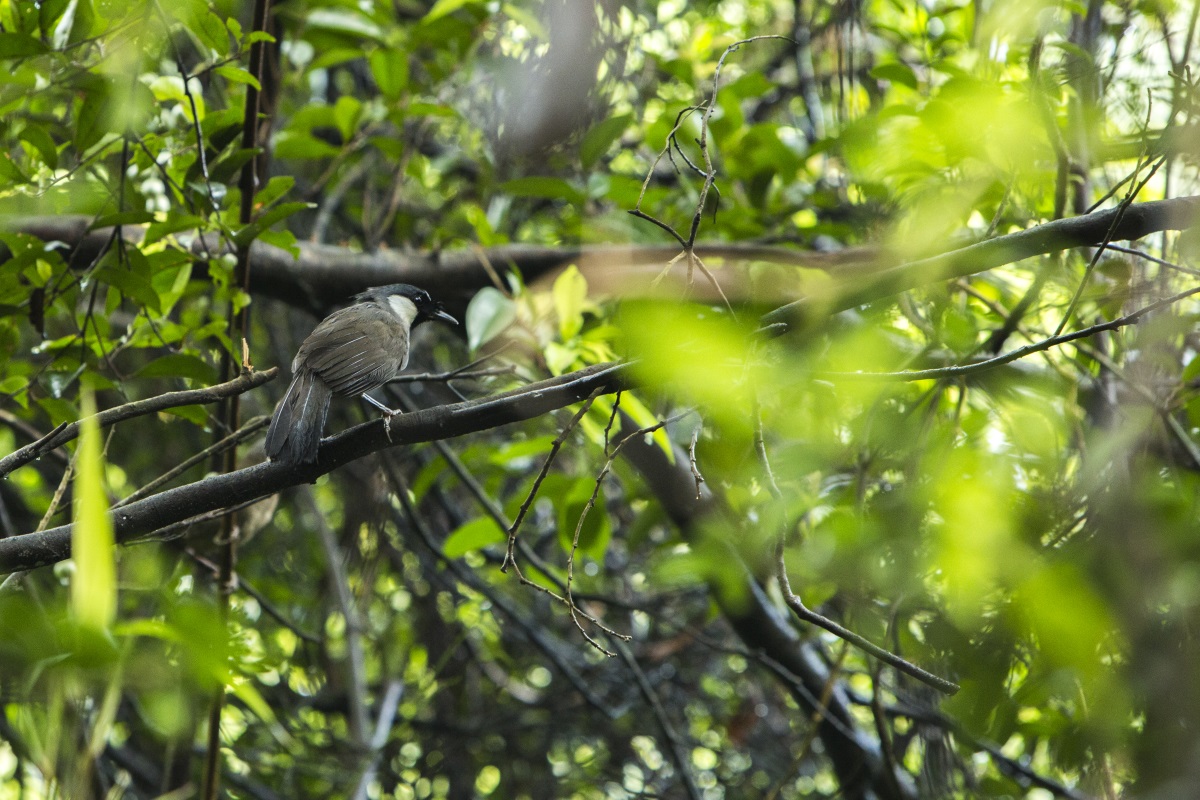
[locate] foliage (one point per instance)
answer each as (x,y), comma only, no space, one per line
(1021,527)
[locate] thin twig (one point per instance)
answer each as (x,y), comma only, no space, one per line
(554,448)
(69,431)
(469,578)
(1013,355)
(679,752)
(692,460)
(891,659)
(232,440)
(591,503)
(1108,237)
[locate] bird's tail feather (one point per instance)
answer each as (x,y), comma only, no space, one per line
(296,428)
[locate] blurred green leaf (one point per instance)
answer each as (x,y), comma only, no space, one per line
(594,531)
(547,188)
(235,74)
(93,547)
(601,137)
(40,140)
(474,535)
(180,365)
(19,45)
(699,354)
(443,7)
(570,294)
(489,313)
(896,73)
(389,67)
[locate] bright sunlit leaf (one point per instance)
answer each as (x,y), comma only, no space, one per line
(699,354)
(570,294)
(94,585)
(488,314)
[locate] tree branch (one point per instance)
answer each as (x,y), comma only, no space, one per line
(1138,220)
(323,274)
(137,519)
(69,431)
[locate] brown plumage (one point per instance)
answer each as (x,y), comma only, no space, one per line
(351,352)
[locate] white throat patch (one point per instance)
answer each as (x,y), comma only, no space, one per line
(404,308)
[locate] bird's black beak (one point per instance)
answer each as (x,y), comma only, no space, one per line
(443,316)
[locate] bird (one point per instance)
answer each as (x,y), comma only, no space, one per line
(351,352)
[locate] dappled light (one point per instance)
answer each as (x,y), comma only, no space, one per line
(814,410)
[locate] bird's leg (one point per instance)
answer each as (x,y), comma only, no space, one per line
(388,413)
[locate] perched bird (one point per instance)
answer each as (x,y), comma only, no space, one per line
(353,351)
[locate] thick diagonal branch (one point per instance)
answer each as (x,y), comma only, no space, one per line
(144,517)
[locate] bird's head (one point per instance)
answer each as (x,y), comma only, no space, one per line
(398,295)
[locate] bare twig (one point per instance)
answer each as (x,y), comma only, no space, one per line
(1013,355)
(469,578)
(537,482)
(891,659)
(692,461)
(1108,237)
(591,503)
(232,440)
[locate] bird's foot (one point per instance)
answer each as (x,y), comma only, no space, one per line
(388,413)
(387,422)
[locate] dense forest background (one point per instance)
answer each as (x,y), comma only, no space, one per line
(823,421)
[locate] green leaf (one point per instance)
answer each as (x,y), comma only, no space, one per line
(276,188)
(197,415)
(601,137)
(9,172)
(174,224)
(596,531)
(37,137)
(445,7)
(488,314)
(236,74)
(121,218)
(95,115)
(211,30)
(478,533)
(93,547)
(132,279)
(280,212)
(180,365)
(346,22)
(20,45)
(419,109)
(548,188)
(290,144)
(570,294)
(346,113)
(171,87)
(896,73)
(389,66)
(283,239)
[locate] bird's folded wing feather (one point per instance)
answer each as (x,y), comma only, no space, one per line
(355,358)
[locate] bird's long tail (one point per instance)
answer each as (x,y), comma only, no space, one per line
(295,432)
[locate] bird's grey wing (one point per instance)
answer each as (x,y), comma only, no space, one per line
(355,358)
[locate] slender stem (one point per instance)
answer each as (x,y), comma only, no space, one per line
(238,323)
(891,659)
